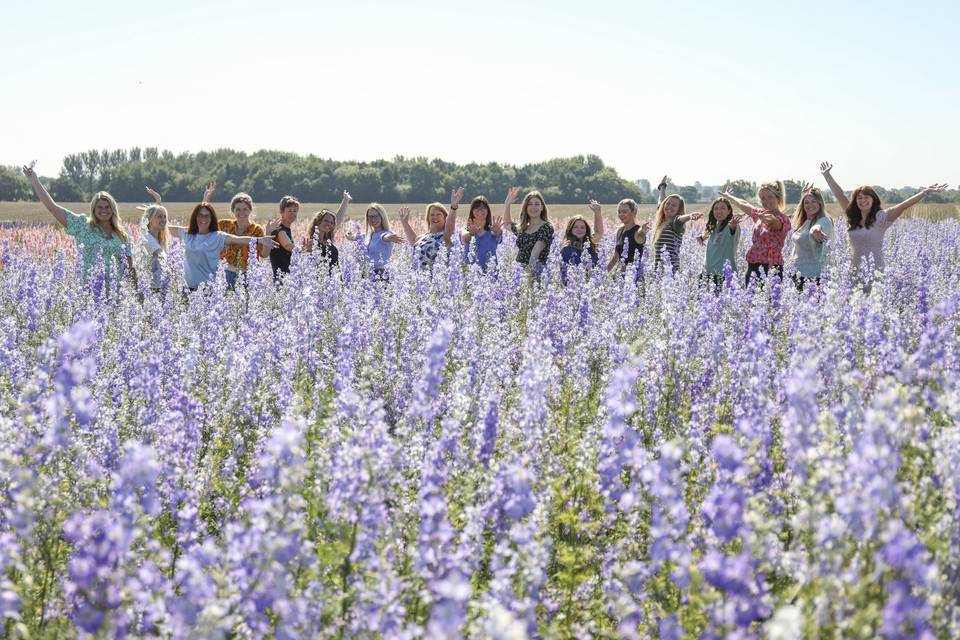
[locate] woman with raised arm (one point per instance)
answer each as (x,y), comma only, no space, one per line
(150,249)
(669,224)
(867,220)
(236,256)
(535,233)
(320,234)
(484,233)
(578,237)
(631,237)
(440,227)
(99,233)
(378,240)
(770,229)
(721,237)
(812,229)
(203,242)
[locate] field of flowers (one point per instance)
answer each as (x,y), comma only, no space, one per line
(465,454)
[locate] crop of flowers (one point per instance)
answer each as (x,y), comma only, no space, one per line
(455,453)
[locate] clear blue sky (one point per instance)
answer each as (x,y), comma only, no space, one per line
(702,91)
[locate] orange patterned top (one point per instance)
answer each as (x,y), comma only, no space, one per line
(236,254)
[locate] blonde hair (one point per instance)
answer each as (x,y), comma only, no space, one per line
(148,214)
(244,197)
(660,218)
(438,205)
(114,217)
(524,216)
(777,189)
(800,215)
(384,220)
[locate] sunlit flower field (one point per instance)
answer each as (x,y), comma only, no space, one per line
(465,454)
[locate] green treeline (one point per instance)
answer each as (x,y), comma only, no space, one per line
(269,175)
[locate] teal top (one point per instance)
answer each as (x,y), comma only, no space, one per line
(91,244)
(810,255)
(721,248)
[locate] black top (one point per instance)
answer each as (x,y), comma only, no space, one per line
(634,248)
(525,242)
(330,254)
(280,257)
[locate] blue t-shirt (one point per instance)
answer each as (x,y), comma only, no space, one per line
(201,256)
(573,255)
(486,247)
(378,249)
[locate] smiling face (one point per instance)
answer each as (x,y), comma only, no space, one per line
(242,212)
(671,206)
(864,201)
(374,219)
(158,221)
(811,206)
(721,211)
(436,218)
(102,211)
(627,215)
(768,200)
(579,230)
(534,208)
(327,223)
(288,215)
(203,220)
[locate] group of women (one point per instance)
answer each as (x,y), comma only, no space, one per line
(208,239)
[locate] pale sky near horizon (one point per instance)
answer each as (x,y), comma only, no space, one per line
(701,91)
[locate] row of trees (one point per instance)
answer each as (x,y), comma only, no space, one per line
(269,175)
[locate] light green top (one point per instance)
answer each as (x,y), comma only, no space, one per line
(809,254)
(721,247)
(91,244)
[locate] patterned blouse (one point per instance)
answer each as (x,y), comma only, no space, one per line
(426,249)
(525,242)
(767,244)
(236,255)
(91,244)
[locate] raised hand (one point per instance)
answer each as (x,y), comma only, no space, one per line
(825,168)
(474,226)
(153,194)
(28,171)
(405,215)
(736,220)
(496,225)
(934,188)
(696,215)
(346,196)
(594,206)
(456,196)
(806,188)
(272,226)
(267,242)
(663,183)
(727,194)
(512,195)
(210,190)
(644,227)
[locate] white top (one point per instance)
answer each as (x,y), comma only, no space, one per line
(869,242)
(150,257)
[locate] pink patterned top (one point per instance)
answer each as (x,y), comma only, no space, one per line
(767,244)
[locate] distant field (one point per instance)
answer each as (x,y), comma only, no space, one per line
(34,211)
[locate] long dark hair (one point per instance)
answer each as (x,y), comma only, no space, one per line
(194,228)
(712,219)
(570,240)
(853,211)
